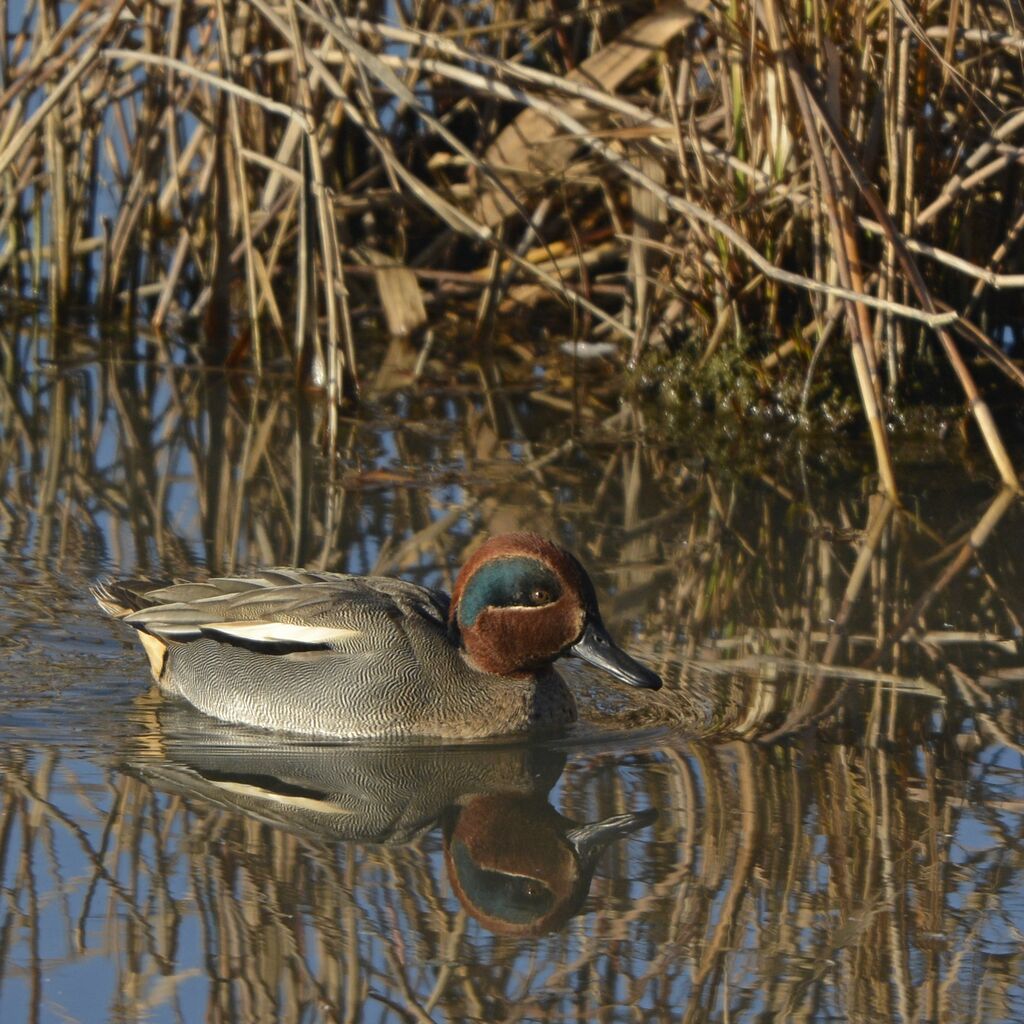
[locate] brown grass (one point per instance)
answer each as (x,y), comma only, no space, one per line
(662,181)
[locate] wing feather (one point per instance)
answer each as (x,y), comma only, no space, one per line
(281,611)
(257,633)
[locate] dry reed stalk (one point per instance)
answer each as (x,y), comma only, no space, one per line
(403,124)
(978,407)
(844,248)
(241,191)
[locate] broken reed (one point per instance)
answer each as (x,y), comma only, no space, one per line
(845,178)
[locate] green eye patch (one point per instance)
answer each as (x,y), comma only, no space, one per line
(507,583)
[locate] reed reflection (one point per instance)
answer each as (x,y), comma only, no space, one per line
(225,880)
(773,600)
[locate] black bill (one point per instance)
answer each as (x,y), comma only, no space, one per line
(597,647)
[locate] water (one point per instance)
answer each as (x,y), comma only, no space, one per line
(157,866)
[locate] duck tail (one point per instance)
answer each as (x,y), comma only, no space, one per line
(119,598)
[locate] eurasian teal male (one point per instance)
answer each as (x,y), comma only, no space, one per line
(369,656)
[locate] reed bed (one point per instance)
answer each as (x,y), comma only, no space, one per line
(274,178)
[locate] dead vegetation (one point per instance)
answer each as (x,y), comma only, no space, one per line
(844,178)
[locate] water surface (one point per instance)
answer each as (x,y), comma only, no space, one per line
(681,864)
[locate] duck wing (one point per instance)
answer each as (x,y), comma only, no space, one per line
(315,653)
(279,611)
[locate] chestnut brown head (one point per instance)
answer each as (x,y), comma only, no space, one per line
(521,868)
(521,602)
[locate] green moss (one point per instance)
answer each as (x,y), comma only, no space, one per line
(733,383)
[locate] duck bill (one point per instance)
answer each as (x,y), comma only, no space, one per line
(591,840)
(598,648)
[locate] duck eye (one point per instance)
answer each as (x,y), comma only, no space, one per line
(540,595)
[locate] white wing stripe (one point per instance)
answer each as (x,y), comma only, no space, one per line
(280,632)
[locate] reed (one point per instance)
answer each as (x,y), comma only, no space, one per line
(846,179)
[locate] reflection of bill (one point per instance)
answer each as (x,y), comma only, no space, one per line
(516,864)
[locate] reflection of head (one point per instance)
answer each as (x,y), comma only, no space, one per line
(519,867)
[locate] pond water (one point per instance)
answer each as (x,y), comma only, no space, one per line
(821,816)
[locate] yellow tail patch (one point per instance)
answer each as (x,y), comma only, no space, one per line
(156,651)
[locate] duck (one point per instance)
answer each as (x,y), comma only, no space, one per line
(374,657)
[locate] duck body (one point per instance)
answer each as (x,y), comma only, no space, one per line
(349,656)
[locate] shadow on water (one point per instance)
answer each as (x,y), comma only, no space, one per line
(157,866)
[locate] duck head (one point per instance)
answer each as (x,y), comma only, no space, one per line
(521,602)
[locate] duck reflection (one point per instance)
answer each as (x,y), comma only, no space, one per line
(515,863)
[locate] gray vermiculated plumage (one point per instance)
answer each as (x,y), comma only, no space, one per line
(388,669)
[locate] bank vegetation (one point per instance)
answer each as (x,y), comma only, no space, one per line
(742,203)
